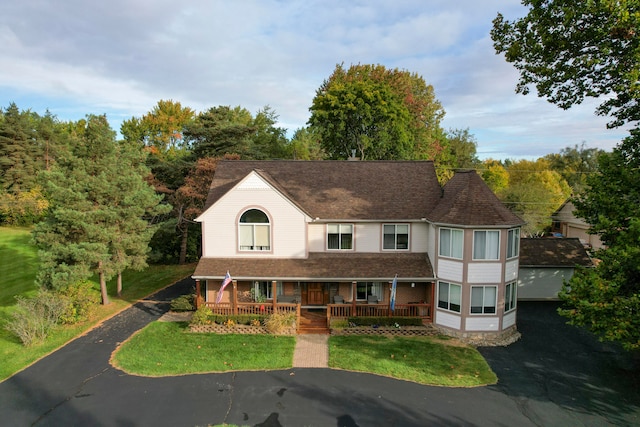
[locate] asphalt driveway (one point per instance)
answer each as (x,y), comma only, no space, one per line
(556,375)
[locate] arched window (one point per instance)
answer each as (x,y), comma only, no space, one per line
(254,231)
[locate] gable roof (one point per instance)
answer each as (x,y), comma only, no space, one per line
(341,190)
(468,201)
(548,252)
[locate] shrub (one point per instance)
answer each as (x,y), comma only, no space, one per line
(82,299)
(34,317)
(183,303)
(202,316)
(278,323)
(339,323)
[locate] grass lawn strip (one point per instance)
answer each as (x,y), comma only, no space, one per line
(425,360)
(167,348)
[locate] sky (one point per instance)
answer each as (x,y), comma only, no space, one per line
(120,57)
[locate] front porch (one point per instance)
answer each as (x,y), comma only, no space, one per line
(289,298)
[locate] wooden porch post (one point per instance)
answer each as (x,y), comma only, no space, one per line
(234,297)
(274,294)
(197,300)
(354,292)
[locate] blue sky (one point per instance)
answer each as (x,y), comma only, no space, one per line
(78,57)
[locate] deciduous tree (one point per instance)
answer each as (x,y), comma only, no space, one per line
(378,114)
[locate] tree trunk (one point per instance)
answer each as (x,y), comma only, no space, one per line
(103,286)
(119,284)
(183,245)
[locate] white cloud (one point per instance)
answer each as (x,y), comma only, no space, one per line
(123,56)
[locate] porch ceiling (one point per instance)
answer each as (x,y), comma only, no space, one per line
(321,267)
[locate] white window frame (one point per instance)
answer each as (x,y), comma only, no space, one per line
(455,235)
(340,233)
(487,247)
(448,302)
(395,237)
(488,303)
(252,228)
(510,297)
(513,243)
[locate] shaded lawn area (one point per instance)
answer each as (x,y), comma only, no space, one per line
(18,270)
(168,348)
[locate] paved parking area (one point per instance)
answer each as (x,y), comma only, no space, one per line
(554,376)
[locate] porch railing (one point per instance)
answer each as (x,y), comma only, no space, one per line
(379,310)
(227,309)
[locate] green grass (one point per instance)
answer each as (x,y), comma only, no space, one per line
(18,270)
(425,360)
(165,348)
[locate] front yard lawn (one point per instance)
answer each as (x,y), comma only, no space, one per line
(167,348)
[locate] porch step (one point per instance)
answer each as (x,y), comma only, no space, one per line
(313,322)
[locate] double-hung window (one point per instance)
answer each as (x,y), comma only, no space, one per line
(483,299)
(339,236)
(395,236)
(450,243)
(510,297)
(449,296)
(254,231)
(486,244)
(513,243)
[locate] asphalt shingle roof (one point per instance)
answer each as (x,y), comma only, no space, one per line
(550,252)
(468,201)
(342,190)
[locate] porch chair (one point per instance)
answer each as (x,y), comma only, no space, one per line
(372,299)
(338,299)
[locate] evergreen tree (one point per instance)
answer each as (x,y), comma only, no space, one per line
(100,208)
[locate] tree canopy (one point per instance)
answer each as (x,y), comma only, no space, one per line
(377,113)
(607,299)
(588,48)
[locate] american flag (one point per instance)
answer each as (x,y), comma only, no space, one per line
(225,282)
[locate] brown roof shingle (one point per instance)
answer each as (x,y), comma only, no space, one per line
(320,266)
(546,252)
(468,201)
(342,190)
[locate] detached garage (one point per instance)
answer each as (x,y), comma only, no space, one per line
(546,263)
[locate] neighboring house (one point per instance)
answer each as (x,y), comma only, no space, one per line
(565,223)
(546,263)
(334,234)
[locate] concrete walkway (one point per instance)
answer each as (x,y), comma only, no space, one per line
(312,351)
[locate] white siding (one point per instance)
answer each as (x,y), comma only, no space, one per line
(509,319)
(482,323)
(288,224)
(431,241)
(317,237)
(485,272)
(419,239)
(447,319)
(511,271)
(541,283)
(367,237)
(450,270)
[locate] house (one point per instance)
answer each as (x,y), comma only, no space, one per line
(566,224)
(333,235)
(545,264)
